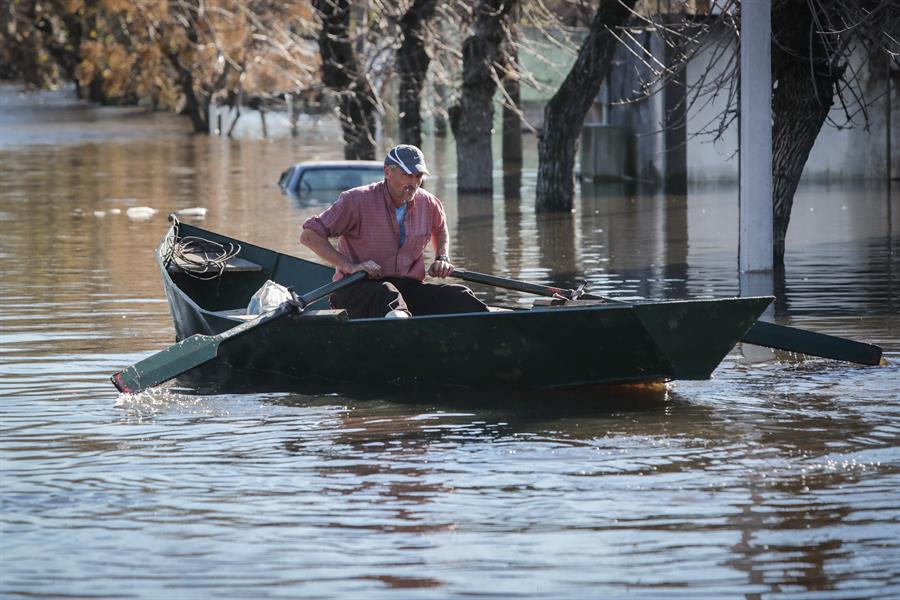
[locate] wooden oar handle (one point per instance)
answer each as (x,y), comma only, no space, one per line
(522,286)
(329,288)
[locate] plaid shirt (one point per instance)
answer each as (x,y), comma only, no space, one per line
(364,220)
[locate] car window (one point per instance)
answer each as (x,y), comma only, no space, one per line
(285,177)
(338,179)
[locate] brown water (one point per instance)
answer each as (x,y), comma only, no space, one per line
(778,478)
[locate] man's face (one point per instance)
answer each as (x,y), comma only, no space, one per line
(400,185)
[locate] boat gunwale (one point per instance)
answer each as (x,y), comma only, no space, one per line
(169,283)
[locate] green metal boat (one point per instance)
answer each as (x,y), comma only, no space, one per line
(536,348)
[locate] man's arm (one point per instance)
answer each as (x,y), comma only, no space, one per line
(324,250)
(440,241)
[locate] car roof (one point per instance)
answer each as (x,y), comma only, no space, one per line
(332,164)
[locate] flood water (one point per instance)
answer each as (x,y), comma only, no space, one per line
(778,478)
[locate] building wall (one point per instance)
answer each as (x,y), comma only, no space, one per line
(839,154)
(642,118)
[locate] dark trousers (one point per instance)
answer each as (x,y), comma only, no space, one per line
(376,297)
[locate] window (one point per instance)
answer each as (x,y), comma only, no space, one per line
(338,179)
(285,177)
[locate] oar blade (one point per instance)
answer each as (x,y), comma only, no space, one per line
(198,349)
(801,341)
(168,364)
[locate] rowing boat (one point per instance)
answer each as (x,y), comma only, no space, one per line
(543,346)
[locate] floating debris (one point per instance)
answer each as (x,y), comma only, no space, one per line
(115,211)
(196,211)
(99,213)
(140,213)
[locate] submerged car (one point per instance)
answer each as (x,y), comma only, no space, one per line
(324,180)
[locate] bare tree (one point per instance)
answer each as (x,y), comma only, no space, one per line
(341,71)
(510,69)
(475,113)
(185,33)
(819,51)
(813,43)
(412,66)
(564,114)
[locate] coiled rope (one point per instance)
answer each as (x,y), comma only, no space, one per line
(201,258)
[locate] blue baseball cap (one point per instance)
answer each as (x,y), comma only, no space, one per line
(407,157)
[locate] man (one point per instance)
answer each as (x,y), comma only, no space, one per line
(383,229)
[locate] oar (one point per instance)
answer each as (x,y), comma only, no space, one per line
(198,349)
(762,333)
(794,339)
(524,286)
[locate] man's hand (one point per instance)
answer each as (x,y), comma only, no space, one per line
(370,266)
(440,268)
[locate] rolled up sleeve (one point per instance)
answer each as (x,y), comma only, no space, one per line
(339,219)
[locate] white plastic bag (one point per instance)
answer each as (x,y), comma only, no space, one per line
(269,296)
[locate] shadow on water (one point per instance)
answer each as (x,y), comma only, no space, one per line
(371,422)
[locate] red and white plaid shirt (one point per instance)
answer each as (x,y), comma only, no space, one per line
(365,221)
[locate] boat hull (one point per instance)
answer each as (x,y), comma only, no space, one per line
(544,347)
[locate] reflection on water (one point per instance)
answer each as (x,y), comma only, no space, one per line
(776,478)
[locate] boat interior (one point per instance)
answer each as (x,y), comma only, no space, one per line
(221,274)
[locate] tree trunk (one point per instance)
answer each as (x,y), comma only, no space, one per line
(805,83)
(512,105)
(440,121)
(196,97)
(196,106)
(475,114)
(564,114)
(675,124)
(412,65)
(342,73)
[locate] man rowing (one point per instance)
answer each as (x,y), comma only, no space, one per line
(383,229)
